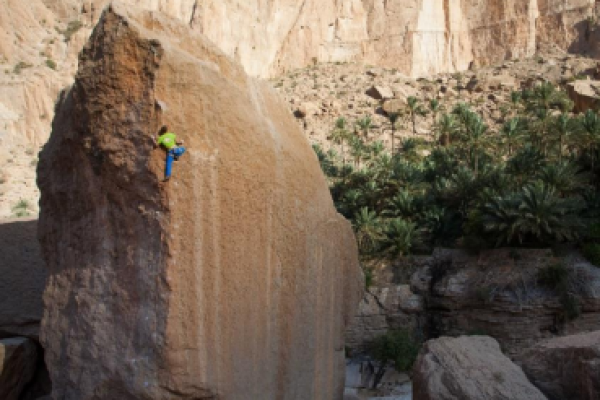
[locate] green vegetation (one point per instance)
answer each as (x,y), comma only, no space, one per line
(21,209)
(51,64)
(21,65)
(534,181)
(397,346)
(72,28)
(557,277)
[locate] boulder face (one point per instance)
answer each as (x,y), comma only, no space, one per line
(235,279)
(566,368)
(469,368)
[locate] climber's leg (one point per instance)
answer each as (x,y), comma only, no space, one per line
(169,164)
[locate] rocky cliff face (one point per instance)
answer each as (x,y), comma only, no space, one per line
(495,293)
(40,40)
(234,280)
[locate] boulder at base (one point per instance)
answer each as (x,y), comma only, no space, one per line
(233,281)
(18,362)
(566,368)
(469,368)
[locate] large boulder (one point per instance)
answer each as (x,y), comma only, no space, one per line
(234,280)
(22,279)
(566,368)
(469,368)
(18,364)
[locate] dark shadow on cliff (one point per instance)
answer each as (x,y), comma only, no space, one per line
(23,279)
(587,42)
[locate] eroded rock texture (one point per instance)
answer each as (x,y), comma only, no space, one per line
(469,368)
(235,280)
(566,368)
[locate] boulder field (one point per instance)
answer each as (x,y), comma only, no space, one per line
(234,280)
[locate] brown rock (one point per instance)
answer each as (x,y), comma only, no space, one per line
(23,276)
(566,368)
(18,362)
(469,368)
(235,279)
(585,94)
(380,92)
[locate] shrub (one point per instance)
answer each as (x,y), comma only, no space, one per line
(398,346)
(21,66)
(72,28)
(591,251)
(21,209)
(554,276)
(51,64)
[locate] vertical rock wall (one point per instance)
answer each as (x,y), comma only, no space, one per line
(234,280)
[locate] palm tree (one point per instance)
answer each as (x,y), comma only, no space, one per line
(545,96)
(563,176)
(445,128)
(369,230)
(512,133)
(414,109)
(435,107)
(364,125)
(400,237)
(393,118)
(547,217)
(563,127)
(476,140)
(590,123)
(540,127)
(340,135)
(515,102)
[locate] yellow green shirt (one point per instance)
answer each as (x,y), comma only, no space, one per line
(167,140)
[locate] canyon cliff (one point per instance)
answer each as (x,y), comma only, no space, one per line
(40,40)
(235,279)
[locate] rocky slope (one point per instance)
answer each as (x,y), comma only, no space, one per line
(234,280)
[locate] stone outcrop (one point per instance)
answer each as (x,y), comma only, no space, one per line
(469,368)
(234,280)
(566,368)
(22,279)
(495,293)
(18,364)
(585,94)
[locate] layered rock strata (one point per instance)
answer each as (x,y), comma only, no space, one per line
(469,368)
(495,293)
(234,280)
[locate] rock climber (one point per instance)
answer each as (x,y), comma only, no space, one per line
(174,148)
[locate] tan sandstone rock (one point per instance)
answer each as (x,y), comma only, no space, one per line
(469,368)
(234,280)
(566,368)
(18,362)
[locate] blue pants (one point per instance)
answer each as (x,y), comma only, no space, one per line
(171,154)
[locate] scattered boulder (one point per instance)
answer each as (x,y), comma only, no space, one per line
(235,279)
(585,94)
(380,92)
(469,368)
(566,368)
(23,278)
(18,363)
